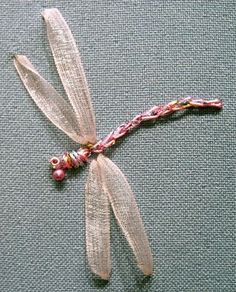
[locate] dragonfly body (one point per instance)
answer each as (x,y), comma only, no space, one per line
(77,158)
(106,187)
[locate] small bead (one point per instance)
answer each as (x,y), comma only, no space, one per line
(55,162)
(67,160)
(58,174)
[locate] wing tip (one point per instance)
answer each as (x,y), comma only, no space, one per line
(105,276)
(18,57)
(46,13)
(147,269)
(146,266)
(19,60)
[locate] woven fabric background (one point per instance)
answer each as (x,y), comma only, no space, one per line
(136,54)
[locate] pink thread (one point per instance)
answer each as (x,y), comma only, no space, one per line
(76,158)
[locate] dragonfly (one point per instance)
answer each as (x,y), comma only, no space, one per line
(106,188)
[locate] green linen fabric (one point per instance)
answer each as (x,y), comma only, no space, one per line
(181,169)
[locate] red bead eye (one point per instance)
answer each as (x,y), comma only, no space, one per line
(58,174)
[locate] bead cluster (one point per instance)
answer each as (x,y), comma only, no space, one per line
(69,160)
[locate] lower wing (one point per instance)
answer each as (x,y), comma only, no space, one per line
(126,212)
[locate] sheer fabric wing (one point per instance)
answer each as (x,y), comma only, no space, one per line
(97,213)
(126,212)
(57,110)
(70,69)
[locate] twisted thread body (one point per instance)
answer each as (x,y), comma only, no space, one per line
(77,158)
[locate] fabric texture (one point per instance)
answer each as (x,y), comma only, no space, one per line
(181,169)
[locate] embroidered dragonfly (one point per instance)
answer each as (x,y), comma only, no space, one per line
(106,185)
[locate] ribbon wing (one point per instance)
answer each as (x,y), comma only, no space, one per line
(97,213)
(57,110)
(70,69)
(126,212)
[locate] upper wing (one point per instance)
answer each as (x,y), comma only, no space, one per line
(70,69)
(48,100)
(97,214)
(126,212)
